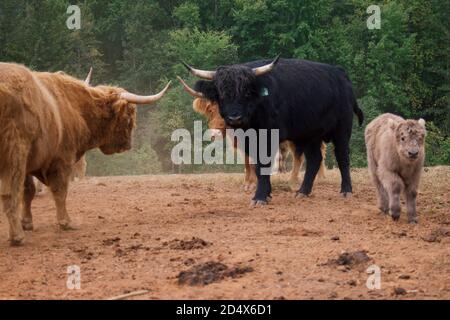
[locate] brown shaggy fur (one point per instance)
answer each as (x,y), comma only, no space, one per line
(211,111)
(395,154)
(47,123)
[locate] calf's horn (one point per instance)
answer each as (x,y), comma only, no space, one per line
(207,75)
(89,77)
(189,90)
(137,99)
(267,68)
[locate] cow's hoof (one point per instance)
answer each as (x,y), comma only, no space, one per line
(413,221)
(17,242)
(68,226)
(27,226)
(395,217)
(258,203)
(346,195)
(301,195)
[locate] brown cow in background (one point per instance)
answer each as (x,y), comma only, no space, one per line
(47,123)
(215,122)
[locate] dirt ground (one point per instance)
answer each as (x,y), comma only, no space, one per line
(195,237)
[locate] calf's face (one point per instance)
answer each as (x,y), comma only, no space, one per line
(410,138)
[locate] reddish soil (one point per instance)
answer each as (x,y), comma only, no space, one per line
(195,237)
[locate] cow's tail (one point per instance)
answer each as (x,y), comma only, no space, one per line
(359,113)
(356,109)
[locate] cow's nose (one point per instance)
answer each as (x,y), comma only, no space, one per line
(234,118)
(413,154)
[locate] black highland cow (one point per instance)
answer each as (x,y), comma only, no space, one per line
(308,102)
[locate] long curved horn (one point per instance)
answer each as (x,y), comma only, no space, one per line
(137,99)
(189,90)
(89,77)
(208,75)
(267,68)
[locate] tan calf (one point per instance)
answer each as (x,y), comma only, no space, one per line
(395,154)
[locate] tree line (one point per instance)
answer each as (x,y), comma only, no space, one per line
(402,67)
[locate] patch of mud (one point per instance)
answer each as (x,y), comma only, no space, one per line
(111,241)
(209,272)
(122,252)
(437,235)
(193,244)
(350,259)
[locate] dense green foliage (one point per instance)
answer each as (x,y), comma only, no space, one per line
(401,68)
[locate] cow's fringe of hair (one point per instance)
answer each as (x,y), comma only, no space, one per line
(233,80)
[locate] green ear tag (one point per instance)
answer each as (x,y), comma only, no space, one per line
(264,92)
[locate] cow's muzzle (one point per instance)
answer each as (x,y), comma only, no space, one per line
(234,121)
(413,155)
